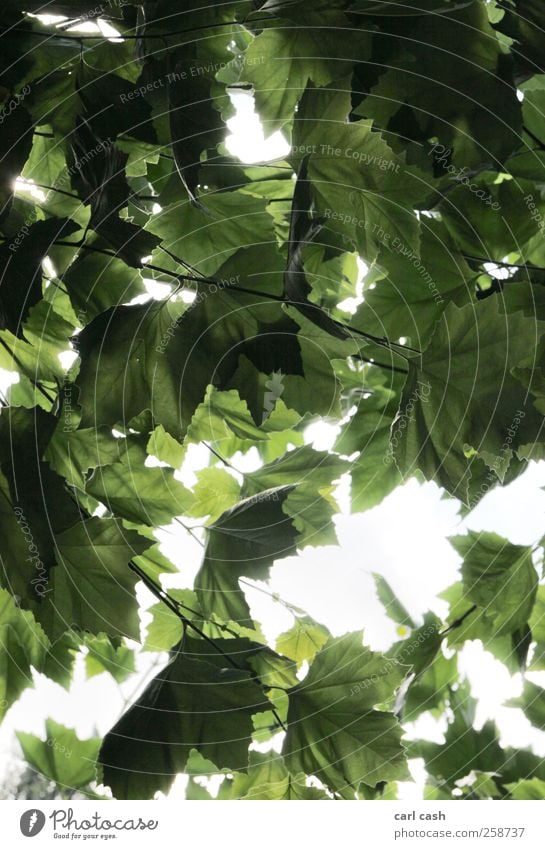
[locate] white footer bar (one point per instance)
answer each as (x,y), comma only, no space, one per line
(273,825)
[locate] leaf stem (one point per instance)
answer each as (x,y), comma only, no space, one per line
(380,364)
(189,531)
(60,191)
(503,264)
(381,341)
(459,621)
(218,455)
(163,596)
(173,606)
(126,37)
(377,340)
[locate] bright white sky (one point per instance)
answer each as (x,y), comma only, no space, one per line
(404,539)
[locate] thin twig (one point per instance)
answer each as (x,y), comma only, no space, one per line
(458,622)
(173,606)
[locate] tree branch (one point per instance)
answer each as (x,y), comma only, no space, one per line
(172,605)
(458,622)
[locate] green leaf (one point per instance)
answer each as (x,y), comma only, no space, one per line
(93,586)
(215,492)
(163,446)
(268,778)
(370,205)
(531,788)
(391,603)
(432,69)
(461,400)
(374,473)
(536,624)
(22,281)
(245,541)
(132,491)
(281,60)
(34,506)
(499,577)
(467,622)
(161,357)
(429,691)
(521,763)
(153,562)
(303,640)
(62,757)
(512,229)
(232,220)
(73,453)
(22,644)
(532,702)
(59,661)
(333,730)
(410,293)
(103,656)
(465,749)
(310,505)
(35,354)
(96,281)
(420,648)
(165,629)
(204,705)
(225,421)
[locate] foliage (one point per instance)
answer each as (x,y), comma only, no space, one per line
(203,303)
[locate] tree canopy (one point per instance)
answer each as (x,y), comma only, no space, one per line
(158,294)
